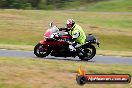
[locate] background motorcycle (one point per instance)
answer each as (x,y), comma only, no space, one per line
(55,43)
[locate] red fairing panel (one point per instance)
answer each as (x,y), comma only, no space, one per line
(42,42)
(48,34)
(65,36)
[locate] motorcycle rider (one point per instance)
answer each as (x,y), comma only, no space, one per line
(77,33)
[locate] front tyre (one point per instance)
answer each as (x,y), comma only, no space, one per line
(88,53)
(40,50)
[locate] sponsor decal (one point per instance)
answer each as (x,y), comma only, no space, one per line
(83,78)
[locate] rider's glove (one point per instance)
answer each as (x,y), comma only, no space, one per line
(63,29)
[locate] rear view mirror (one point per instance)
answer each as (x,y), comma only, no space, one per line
(51,24)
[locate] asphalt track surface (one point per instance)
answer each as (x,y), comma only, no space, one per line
(96,59)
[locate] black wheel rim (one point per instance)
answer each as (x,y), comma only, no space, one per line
(88,53)
(41,50)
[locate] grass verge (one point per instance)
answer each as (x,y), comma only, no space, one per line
(43,73)
(109,5)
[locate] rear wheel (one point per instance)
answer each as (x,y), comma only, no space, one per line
(40,50)
(88,53)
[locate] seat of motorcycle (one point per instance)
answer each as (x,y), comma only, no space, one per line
(90,37)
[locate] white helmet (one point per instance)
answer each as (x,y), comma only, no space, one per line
(70,23)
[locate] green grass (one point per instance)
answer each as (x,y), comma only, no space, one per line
(92,5)
(112,5)
(43,73)
(115,42)
(100,6)
(26,27)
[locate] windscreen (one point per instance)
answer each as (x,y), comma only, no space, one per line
(50,31)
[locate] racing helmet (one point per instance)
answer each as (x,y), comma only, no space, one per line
(70,23)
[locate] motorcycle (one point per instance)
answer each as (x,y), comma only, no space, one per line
(55,43)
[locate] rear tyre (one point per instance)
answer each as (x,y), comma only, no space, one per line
(89,51)
(40,50)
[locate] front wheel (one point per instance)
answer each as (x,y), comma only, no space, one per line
(40,50)
(87,53)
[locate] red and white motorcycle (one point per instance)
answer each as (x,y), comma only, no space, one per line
(56,44)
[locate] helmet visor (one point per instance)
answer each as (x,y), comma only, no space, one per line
(69,25)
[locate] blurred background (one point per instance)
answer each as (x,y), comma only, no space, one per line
(89,5)
(23,23)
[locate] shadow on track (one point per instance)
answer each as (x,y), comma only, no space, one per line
(65,59)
